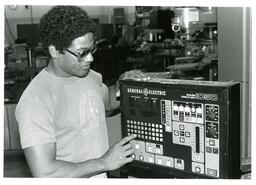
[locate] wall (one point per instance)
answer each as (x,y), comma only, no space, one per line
(22,15)
(234,62)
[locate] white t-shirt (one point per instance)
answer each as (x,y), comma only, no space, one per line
(68,111)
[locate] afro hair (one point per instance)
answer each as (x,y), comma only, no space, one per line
(62,24)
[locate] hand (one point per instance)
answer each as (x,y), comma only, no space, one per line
(119,154)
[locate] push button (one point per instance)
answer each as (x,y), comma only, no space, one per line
(198,157)
(198,169)
(208,149)
(212,142)
(211,172)
(187,134)
(159,161)
(179,163)
(137,146)
(151,159)
(158,150)
(168,163)
(150,149)
(133,156)
(141,157)
(176,132)
(182,139)
(215,150)
(181,127)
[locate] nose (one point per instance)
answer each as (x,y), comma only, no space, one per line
(88,58)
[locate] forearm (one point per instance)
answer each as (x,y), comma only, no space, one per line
(58,168)
(42,161)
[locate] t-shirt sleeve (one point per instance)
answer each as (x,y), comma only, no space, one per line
(106,98)
(105,91)
(36,122)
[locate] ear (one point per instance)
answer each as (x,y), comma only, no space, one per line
(53,52)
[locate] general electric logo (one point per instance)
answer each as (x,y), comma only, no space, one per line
(145,91)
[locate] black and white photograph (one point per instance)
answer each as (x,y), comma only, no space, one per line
(127,91)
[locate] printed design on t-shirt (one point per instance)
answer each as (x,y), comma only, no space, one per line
(89,111)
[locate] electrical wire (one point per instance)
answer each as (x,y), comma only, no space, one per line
(31,14)
(246,172)
(8,26)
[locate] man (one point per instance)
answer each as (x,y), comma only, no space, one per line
(61,113)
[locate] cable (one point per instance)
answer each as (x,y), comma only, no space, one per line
(31,14)
(245,172)
(8,26)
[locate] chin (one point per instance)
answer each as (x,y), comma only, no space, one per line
(83,73)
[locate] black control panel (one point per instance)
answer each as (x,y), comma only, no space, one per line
(184,129)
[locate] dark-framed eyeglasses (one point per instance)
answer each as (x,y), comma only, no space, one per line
(92,49)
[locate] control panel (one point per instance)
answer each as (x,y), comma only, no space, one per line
(183,128)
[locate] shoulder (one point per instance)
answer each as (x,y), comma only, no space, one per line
(35,94)
(95,75)
(38,86)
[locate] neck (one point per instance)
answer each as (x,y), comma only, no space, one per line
(53,69)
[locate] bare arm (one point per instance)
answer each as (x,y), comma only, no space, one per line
(42,161)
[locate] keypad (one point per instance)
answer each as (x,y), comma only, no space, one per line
(181,133)
(144,130)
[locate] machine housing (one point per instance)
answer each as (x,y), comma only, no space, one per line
(184,128)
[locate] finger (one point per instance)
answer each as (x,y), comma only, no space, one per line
(129,152)
(126,147)
(128,159)
(127,139)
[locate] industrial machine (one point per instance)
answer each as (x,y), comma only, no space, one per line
(184,128)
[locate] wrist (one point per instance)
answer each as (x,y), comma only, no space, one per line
(103,164)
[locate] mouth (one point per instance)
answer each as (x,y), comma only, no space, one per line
(86,66)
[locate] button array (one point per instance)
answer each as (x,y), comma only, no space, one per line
(144,130)
(182,134)
(212,150)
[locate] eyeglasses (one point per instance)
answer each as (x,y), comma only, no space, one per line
(92,49)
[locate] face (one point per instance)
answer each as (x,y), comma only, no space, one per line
(70,64)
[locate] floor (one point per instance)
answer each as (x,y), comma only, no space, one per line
(15,164)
